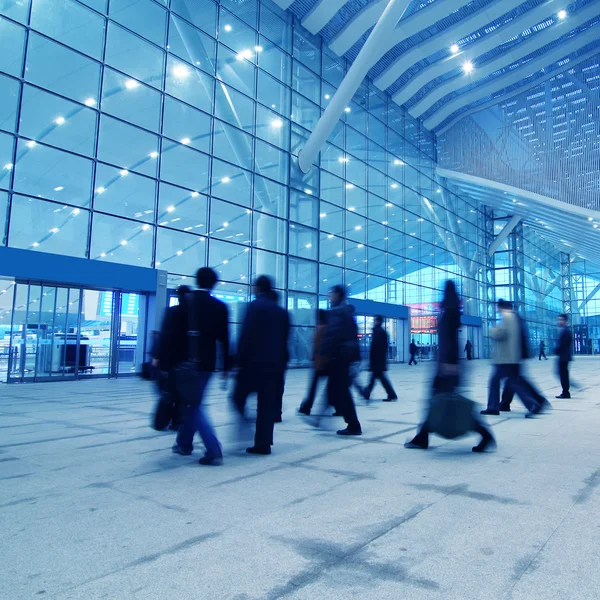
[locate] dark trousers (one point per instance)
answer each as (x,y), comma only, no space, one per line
(412,359)
(512,373)
(338,393)
(508,393)
(542,353)
(385,382)
(469,355)
(563,373)
(308,402)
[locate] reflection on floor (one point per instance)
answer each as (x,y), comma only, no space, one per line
(94,505)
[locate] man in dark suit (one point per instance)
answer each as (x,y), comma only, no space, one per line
(413,349)
(340,349)
(564,351)
(209,319)
(263,357)
(378,361)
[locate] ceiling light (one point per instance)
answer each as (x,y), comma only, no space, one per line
(349,186)
(185,141)
(323,215)
(54,230)
(277,123)
(225,180)
(347,109)
(59,188)
(394,185)
(123,172)
(8,166)
(180,71)
(327,96)
(170,208)
(307,191)
(398,162)
(35,244)
(100,190)
(228,28)
(31,144)
(246,53)
(123,242)
(258,48)
(342,159)
(59,120)
(154,154)
(131,84)
(590,218)
(90,102)
(562,14)
(468,67)
(75,211)
(454,48)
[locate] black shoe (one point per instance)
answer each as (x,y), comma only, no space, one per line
(349,431)
(565,396)
(177,450)
(304,411)
(485,444)
(213,462)
(391,399)
(259,450)
(487,411)
(504,408)
(414,445)
(278,419)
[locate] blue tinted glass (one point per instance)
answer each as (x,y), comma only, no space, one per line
(303,242)
(233,145)
(274,94)
(230,261)
(275,28)
(333,68)
(180,252)
(269,233)
(126,98)
(333,159)
(272,128)
(189,84)
(48,227)
(271,162)
(269,263)
(307,49)
(53,174)
(304,208)
(304,112)
(247,10)
(192,45)
(6,159)
(182,209)
(355,256)
(58,122)
(270,197)
(134,56)
(235,108)
(12,47)
(152,25)
(302,275)
(131,196)
(9,92)
(186,125)
(237,35)
(236,70)
(229,222)
(201,13)
(183,166)
(60,70)
(99,5)
(231,183)
(70,23)
(275,62)
(306,82)
(127,147)
(19,11)
(331,251)
(3,216)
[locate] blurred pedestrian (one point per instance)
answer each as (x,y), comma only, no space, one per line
(340,347)
(469,350)
(543,350)
(188,346)
(413,349)
(378,361)
(319,364)
(511,349)
(263,357)
(564,351)
(447,377)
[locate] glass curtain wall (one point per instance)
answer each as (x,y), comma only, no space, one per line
(169,141)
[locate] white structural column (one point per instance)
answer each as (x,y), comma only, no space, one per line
(368,55)
(514,76)
(534,43)
(475,49)
(321,13)
(503,235)
(360,24)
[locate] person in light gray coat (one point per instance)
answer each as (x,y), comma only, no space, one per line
(510,344)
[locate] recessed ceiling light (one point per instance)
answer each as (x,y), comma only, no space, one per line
(562,14)
(468,67)
(454,48)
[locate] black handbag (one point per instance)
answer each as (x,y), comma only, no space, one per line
(450,415)
(187,374)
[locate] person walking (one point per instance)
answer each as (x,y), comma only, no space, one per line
(413,349)
(543,350)
(263,357)
(447,377)
(378,361)
(191,334)
(319,364)
(341,349)
(564,351)
(469,350)
(510,350)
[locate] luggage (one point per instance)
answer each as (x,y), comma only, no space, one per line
(450,415)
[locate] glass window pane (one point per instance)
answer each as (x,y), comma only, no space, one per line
(186,125)
(272,128)
(152,25)
(134,56)
(63,71)
(237,35)
(184,166)
(70,23)
(192,45)
(53,174)
(12,47)
(235,108)
(48,227)
(179,252)
(201,13)
(303,309)
(306,83)
(377,235)
(53,120)
(269,233)
(127,147)
(19,11)
(229,222)
(233,145)
(231,183)
(274,94)
(189,84)
(275,62)
(230,261)
(271,162)
(246,10)
(302,275)
(99,5)
(305,112)
(3,216)
(355,256)
(355,227)
(331,218)
(121,241)
(9,92)
(303,241)
(236,70)
(307,49)
(6,159)
(182,209)
(131,101)
(269,263)
(130,196)
(328,277)
(275,28)
(270,197)
(304,208)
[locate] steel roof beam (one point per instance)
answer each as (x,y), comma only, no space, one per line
(355,28)
(321,13)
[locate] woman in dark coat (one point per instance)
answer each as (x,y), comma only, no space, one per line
(447,376)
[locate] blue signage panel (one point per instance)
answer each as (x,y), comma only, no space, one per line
(130,305)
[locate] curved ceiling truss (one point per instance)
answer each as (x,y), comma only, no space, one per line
(447,58)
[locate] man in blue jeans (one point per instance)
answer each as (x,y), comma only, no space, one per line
(210,325)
